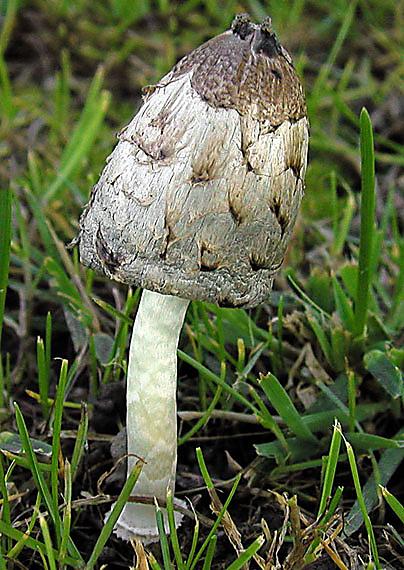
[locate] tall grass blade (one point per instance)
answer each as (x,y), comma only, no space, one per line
(393,503)
(281,401)
(35,545)
(83,136)
(192,550)
(209,485)
(48,543)
(56,428)
(5,504)
(81,441)
(165,547)
(7,107)
(203,469)
(8,24)
(40,480)
(67,512)
(249,552)
(36,471)
(43,377)
(367,230)
(204,419)
(362,505)
(326,68)
(216,523)
(390,461)
(20,544)
(173,531)
(210,552)
(5,239)
(114,515)
(215,378)
(332,462)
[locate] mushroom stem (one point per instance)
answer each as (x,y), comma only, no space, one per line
(152,409)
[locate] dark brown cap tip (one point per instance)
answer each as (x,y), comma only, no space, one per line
(242,25)
(266,41)
(266,25)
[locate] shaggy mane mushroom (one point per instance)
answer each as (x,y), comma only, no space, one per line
(197,201)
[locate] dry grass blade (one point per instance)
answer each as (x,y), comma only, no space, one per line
(229,526)
(140,555)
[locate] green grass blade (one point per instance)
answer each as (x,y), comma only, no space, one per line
(385,372)
(23,462)
(281,401)
(297,451)
(5,504)
(362,505)
(56,428)
(370,441)
(209,485)
(36,472)
(389,462)
(154,565)
(341,228)
(194,544)
(48,543)
(34,544)
(92,100)
(114,515)
(48,343)
(326,68)
(214,378)
(322,339)
(81,441)
(83,137)
(204,419)
(61,113)
(40,480)
(7,107)
(249,552)
(210,552)
(38,214)
(343,305)
(8,24)
(305,299)
(367,230)
(173,531)
(5,239)
(20,544)
(216,523)
(332,462)
(43,377)
(393,503)
(267,421)
(67,511)
(165,547)
(203,469)
(352,400)
(119,315)
(333,505)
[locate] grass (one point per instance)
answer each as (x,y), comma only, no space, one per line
(290,430)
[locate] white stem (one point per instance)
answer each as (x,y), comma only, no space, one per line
(151,407)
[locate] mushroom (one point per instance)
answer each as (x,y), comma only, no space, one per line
(197,201)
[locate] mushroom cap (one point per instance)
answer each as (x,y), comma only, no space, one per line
(201,193)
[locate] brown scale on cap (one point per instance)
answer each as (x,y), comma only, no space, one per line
(248,70)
